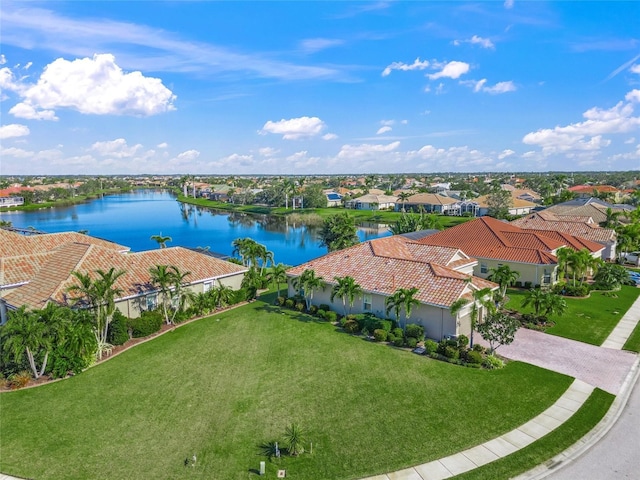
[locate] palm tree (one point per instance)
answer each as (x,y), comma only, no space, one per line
(169,281)
(481,299)
(503,276)
(162,241)
(536,297)
(402,298)
(347,289)
(224,295)
(611,219)
(581,262)
(563,254)
(277,274)
(294,438)
(403,197)
(25,333)
(553,304)
(308,282)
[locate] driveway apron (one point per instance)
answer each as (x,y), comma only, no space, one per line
(601,367)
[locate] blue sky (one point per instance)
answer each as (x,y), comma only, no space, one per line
(118,87)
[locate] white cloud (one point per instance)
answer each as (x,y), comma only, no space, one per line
(268,151)
(505,153)
(587,135)
(329,136)
(630,141)
(188,156)
(498,88)
(452,69)
(635,69)
(3,59)
(365,150)
(28,65)
(92,86)
(294,128)
(508,4)
(162,145)
(13,130)
(15,152)
(384,129)
(312,45)
(405,67)
(117,148)
(302,160)
(27,111)
(476,40)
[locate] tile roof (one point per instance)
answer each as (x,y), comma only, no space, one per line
(431,199)
(517,202)
(486,237)
(48,272)
(13,244)
(384,265)
(576,226)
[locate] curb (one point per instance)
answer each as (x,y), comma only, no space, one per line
(594,436)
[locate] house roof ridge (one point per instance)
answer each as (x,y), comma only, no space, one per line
(79,262)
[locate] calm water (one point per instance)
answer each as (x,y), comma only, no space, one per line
(130,219)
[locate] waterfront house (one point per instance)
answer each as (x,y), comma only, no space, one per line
(442,275)
(372,201)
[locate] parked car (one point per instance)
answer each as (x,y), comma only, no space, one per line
(632,257)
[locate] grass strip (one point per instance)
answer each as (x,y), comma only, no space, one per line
(633,342)
(544,449)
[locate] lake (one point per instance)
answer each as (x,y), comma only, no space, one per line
(130,219)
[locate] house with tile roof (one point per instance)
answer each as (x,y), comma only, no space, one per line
(495,243)
(442,276)
(576,225)
(430,203)
(36,270)
(372,201)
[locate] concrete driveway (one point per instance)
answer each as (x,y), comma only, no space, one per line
(601,367)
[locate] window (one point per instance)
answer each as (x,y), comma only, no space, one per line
(483,268)
(152,301)
(366,302)
(207,286)
(547,276)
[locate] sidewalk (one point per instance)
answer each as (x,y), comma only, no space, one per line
(447,467)
(625,327)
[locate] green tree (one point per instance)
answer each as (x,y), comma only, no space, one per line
(26,334)
(563,255)
(308,283)
(499,202)
(402,298)
(251,282)
(482,299)
(536,297)
(347,289)
(223,294)
(503,276)
(162,240)
(168,280)
(278,275)
(553,304)
(338,232)
(403,197)
(611,276)
(498,329)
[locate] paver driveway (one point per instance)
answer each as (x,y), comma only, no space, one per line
(601,367)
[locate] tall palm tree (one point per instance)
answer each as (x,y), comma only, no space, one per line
(403,197)
(162,240)
(402,298)
(536,297)
(25,333)
(347,289)
(308,282)
(503,276)
(277,274)
(169,281)
(563,254)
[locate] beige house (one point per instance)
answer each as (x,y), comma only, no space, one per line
(37,269)
(430,203)
(442,276)
(372,201)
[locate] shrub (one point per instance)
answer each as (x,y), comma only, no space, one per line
(147,323)
(19,380)
(473,357)
(300,306)
(322,314)
(331,316)
(412,342)
(430,346)
(242,295)
(313,309)
(451,352)
(462,342)
(414,331)
(492,363)
(379,335)
(577,291)
(399,342)
(118,332)
(371,322)
(478,348)
(289,303)
(518,284)
(280,300)
(324,307)
(391,338)
(351,326)
(528,285)
(62,363)
(398,333)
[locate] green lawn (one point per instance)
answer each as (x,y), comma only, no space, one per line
(633,342)
(588,320)
(221,386)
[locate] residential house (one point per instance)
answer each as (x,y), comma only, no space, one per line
(11,201)
(588,207)
(442,276)
(588,191)
(517,207)
(334,199)
(372,201)
(495,243)
(430,203)
(37,269)
(578,226)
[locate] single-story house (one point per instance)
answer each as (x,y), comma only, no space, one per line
(495,243)
(517,207)
(334,199)
(372,201)
(430,203)
(37,269)
(11,201)
(442,276)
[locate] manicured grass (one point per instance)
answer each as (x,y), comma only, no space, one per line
(633,342)
(221,386)
(550,445)
(588,320)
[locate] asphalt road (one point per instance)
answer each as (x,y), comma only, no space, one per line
(616,455)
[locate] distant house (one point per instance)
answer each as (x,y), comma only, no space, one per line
(12,201)
(442,276)
(430,203)
(334,199)
(495,243)
(518,206)
(36,270)
(587,191)
(588,207)
(372,202)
